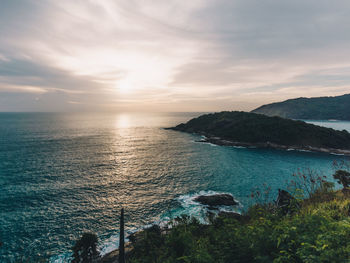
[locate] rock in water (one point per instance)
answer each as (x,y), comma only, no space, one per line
(216,200)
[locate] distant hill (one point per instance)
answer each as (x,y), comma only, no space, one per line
(322,108)
(250,129)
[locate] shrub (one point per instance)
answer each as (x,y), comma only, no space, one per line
(342,177)
(306,182)
(85,249)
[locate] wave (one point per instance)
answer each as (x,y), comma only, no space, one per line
(62,258)
(339,154)
(187,207)
(205,142)
(241,147)
(194,209)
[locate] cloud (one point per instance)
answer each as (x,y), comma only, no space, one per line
(258,48)
(200,55)
(30,73)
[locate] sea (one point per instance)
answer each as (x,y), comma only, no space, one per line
(63,174)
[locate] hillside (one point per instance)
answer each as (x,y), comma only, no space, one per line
(250,129)
(313,228)
(317,232)
(322,108)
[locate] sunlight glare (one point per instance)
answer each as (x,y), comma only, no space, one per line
(125,85)
(122,121)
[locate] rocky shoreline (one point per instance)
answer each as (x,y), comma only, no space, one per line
(213,201)
(224,142)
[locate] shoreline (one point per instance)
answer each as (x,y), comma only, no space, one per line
(222,208)
(269,145)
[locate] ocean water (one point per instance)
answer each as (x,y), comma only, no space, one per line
(65,174)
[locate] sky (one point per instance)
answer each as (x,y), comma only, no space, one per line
(170,55)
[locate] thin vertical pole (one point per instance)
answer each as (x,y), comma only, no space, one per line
(121,238)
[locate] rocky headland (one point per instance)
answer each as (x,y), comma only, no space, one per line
(243,129)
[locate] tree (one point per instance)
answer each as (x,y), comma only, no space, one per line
(342,177)
(85,249)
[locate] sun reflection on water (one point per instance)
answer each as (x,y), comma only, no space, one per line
(122,121)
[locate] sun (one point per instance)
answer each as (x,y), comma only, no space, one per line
(125,85)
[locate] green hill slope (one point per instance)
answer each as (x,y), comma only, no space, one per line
(322,108)
(318,232)
(257,129)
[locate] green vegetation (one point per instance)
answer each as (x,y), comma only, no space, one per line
(317,233)
(343,178)
(85,249)
(316,229)
(310,223)
(323,108)
(257,128)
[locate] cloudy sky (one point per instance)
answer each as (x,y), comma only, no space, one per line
(170,55)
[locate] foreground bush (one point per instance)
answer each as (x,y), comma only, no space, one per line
(85,249)
(318,232)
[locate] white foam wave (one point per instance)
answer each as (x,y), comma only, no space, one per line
(62,258)
(205,142)
(239,147)
(188,199)
(339,154)
(188,207)
(199,211)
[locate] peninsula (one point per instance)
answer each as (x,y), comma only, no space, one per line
(257,130)
(321,108)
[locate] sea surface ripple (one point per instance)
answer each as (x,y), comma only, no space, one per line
(65,174)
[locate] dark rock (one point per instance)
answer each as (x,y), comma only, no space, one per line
(285,202)
(216,200)
(283,198)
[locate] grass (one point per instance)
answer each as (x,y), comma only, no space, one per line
(317,231)
(314,229)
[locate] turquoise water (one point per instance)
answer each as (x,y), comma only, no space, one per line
(65,174)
